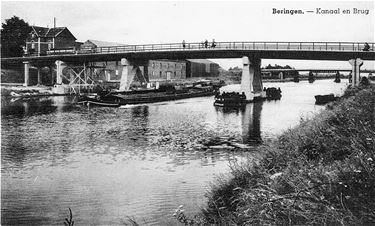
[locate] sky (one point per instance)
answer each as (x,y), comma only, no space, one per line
(148,22)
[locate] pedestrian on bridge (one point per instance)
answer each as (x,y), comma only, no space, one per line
(213,43)
(366,47)
(183,44)
(206,44)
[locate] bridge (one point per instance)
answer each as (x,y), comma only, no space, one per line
(133,56)
(281,71)
(317,70)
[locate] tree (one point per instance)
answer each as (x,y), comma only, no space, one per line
(13,36)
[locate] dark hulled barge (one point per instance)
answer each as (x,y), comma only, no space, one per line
(236,99)
(165,93)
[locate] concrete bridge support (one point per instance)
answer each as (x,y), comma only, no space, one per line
(129,71)
(58,87)
(59,73)
(26,73)
(39,76)
(356,65)
(251,81)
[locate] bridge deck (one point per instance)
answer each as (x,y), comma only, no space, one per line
(268,50)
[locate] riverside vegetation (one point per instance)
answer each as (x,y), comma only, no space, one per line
(319,173)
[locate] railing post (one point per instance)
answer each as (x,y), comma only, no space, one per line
(253,45)
(300,45)
(288,45)
(353,46)
(277,45)
(326,46)
(339,46)
(313,45)
(264,45)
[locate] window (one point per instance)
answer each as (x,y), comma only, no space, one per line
(160,74)
(153,65)
(49,46)
(32,44)
(161,66)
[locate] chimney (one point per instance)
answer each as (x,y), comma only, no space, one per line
(54,22)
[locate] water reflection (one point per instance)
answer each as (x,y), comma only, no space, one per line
(27,106)
(250,116)
(251,120)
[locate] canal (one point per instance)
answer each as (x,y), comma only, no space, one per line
(142,162)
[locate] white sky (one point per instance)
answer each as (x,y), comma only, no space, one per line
(173,21)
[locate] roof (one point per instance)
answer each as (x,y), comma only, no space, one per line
(103,43)
(202,61)
(49,32)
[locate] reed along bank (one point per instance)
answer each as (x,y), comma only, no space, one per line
(321,172)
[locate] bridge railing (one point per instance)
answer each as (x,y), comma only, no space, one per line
(286,46)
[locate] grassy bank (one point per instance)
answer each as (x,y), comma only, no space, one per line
(319,173)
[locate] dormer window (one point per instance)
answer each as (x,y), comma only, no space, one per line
(33,35)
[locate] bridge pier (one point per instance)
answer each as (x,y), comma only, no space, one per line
(26,73)
(59,73)
(251,80)
(58,87)
(39,76)
(129,71)
(356,65)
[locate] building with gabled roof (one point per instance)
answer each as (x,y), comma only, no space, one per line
(96,43)
(42,39)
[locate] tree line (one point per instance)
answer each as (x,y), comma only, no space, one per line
(14,32)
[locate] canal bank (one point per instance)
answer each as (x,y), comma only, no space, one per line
(320,172)
(18,90)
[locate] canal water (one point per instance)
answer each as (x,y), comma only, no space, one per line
(139,162)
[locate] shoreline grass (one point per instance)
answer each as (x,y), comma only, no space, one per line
(321,172)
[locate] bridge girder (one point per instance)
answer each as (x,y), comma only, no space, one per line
(196,54)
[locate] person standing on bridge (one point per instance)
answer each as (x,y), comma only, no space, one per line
(366,47)
(213,43)
(183,44)
(206,44)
